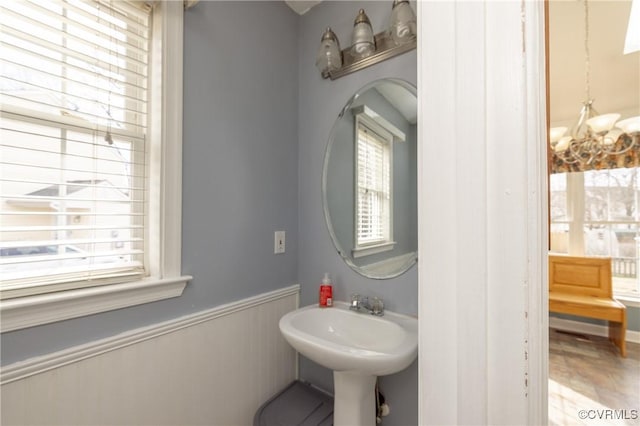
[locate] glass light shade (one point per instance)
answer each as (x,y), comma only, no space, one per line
(563,143)
(403,22)
(602,123)
(629,125)
(555,133)
(329,57)
(611,137)
(363,43)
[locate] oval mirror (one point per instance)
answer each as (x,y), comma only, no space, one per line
(369,180)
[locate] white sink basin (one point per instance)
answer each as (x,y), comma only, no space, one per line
(343,340)
(357,347)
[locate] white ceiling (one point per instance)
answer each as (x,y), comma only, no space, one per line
(404,101)
(614,77)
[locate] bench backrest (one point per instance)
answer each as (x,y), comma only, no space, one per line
(580,275)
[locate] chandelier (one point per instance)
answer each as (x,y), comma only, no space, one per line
(594,136)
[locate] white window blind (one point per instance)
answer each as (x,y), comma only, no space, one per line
(373,213)
(73,85)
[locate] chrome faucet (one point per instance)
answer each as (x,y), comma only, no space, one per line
(362,304)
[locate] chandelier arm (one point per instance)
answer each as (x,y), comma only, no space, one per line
(585,150)
(592,149)
(567,156)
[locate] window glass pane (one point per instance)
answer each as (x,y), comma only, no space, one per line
(596,196)
(597,240)
(611,195)
(69,202)
(558,187)
(623,189)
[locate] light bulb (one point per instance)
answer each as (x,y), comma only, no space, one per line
(363,43)
(403,22)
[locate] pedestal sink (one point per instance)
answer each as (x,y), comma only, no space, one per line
(358,347)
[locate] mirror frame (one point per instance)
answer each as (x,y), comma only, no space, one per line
(412,260)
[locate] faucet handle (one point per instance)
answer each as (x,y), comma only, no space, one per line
(355,300)
(377,306)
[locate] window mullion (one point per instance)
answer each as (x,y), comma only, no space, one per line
(575,207)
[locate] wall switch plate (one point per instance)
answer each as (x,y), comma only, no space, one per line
(279,238)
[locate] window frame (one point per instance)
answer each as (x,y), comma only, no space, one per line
(385,132)
(163,248)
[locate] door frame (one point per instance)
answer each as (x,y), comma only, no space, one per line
(483,229)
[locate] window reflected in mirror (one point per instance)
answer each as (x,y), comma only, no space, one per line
(369,181)
(374,153)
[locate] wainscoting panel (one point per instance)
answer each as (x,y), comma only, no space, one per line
(213,368)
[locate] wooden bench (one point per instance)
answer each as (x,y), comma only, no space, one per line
(582,286)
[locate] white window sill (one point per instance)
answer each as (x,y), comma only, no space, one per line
(372,249)
(628,300)
(40,309)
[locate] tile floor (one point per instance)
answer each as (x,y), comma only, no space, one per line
(588,378)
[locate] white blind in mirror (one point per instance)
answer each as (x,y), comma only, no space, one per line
(373,187)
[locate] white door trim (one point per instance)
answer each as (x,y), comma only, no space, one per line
(482,208)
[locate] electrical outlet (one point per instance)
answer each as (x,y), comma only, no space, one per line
(279,239)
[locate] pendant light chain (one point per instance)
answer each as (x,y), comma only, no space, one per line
(586,51)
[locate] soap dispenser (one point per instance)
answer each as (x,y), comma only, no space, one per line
(326,292)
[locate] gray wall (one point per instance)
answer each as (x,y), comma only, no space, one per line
(240,172)
(633,318)
(320,102)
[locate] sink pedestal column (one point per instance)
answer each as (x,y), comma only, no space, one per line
(354,399)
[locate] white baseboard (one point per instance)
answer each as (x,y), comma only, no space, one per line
(586,328)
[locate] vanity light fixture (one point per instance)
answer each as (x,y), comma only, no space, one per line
(329,57)
(368,49)
(594,137)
